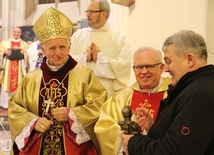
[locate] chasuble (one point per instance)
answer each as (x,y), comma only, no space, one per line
(107,128)
(73,86)
(14,69)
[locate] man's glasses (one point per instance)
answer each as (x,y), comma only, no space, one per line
(148,67)
(89,12)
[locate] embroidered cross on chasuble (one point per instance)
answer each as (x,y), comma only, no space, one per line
(14,68)
(53,94)
(151,102)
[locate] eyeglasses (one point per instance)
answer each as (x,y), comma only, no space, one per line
(89,12)
(148,67)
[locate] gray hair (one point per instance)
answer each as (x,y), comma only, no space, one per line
(158,54)
(104,5)
(187,41)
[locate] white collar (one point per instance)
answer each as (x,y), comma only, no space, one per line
(153,90)
(15,40)
(54,68)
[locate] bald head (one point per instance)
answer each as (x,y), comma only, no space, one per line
(16,32)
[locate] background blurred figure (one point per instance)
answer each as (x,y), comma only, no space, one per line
(35,55)
(14,59)
(184,125)
(102,48)
(147,92)
(56,106)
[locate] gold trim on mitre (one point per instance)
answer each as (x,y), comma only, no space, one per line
(52,24)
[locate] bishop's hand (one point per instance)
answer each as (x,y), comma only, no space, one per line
(60,114)
(43,124)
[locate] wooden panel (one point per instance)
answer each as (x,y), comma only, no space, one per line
(123,2)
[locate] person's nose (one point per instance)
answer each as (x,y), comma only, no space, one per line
(166,68)
(58,51)
(88,15)
(144,70)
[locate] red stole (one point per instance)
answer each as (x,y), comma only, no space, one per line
(14,69)
(151,101)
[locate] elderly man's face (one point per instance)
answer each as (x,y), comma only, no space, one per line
(175,65)
(56,50)
(148,77)
(16,33)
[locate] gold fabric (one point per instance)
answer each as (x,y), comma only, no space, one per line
(107,128)
(85,96)
(52,24)
(5,78)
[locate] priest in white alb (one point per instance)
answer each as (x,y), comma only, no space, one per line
(103,48)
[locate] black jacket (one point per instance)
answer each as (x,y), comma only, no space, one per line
(185,123)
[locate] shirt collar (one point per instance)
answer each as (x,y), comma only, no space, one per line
(153,90)
(54,68)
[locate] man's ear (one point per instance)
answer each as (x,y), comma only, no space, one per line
(162,66)
(42,48)
(191,59)
(104,13)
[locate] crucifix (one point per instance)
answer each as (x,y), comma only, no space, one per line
(48,102)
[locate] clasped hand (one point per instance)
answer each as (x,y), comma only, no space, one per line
(43,124)
(92,53)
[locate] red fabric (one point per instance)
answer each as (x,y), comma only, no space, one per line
(14,69)
(15,45)
(86,148)
(151,102)
(29,141)
(33,150)
(14,75)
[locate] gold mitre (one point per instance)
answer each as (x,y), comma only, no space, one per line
(52,24)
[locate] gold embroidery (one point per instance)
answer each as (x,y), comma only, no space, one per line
(146,105)
(15,66)
(15,46)
(54,91)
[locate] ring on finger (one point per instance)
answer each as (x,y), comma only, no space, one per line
(42,127)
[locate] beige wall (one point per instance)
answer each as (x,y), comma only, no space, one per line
(210,31)
(1,9)
(68,8)
(148,22)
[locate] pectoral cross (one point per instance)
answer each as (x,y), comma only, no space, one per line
(48,102)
